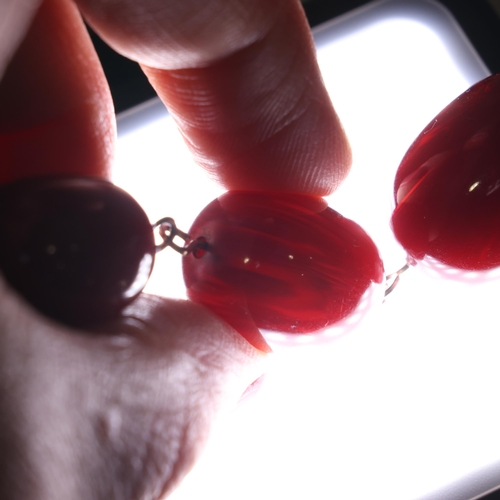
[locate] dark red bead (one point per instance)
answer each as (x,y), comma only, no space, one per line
(78,249)
(447,186)
(281,262)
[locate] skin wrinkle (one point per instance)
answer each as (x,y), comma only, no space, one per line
(181,34)
(311,145)
(275,118)
(290,154)
(297,109)
(281,89)
(276,109)
(278,84)
(290,157)
(278,87)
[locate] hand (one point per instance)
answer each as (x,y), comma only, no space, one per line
(123,412)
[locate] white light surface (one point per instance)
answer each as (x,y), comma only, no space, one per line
(405,406)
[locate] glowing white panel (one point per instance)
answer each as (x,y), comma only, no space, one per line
(405,406)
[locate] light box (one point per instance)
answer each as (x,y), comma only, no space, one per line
(404,406)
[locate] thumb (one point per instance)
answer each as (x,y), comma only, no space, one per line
(120,414)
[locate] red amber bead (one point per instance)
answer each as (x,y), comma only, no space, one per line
(447,186)
(78,249)
(280,262)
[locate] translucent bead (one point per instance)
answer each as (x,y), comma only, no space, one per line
(280,262)
(447,187)
(78,249)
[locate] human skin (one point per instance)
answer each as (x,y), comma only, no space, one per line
(123,411)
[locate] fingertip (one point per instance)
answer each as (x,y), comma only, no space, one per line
(260,119)
(244,87)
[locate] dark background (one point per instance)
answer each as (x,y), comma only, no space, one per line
(478,18)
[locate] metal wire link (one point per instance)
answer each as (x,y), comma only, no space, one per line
(393,279)
(168,231)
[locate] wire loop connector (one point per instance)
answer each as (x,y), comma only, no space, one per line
(393,279)
(168,231)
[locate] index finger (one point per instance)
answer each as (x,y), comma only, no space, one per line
(242,82)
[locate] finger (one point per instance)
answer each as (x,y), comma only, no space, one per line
(242,82)
(116,415)
(56,113)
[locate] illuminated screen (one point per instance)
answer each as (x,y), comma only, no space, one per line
(405,406)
